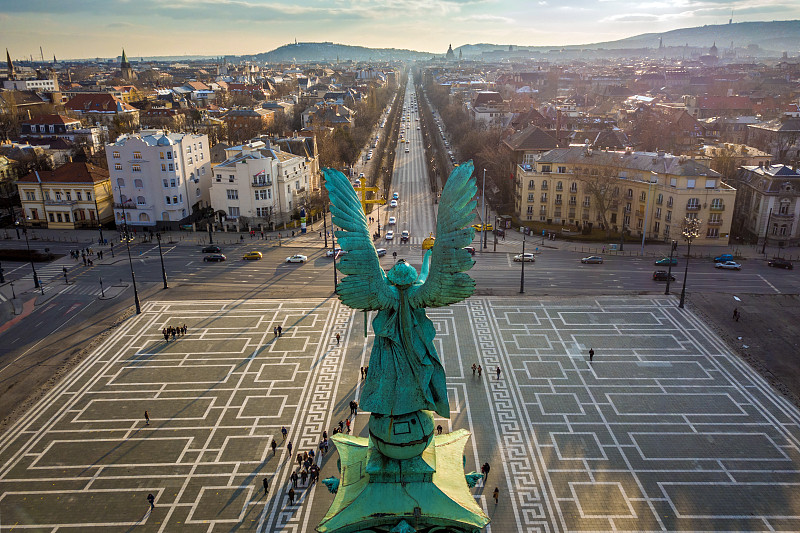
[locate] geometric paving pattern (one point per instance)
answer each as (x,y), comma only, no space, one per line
(664,431)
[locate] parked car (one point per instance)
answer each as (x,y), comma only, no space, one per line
(389,235)
(723,258)
(729,265)
(667,261)
(393,203)
(526,257)
(392,221)
(470,249)
(662,275)
(212,249)
(252,255)
(478,227)
(215,258)
(395,196)
(407,149)
(330,253)
(780,263)
(297,258)
(404,236)
(592,260)
(381,252)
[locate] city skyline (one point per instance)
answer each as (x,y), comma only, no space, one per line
(240,27)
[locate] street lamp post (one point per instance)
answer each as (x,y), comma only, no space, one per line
(325,225)
(483,201)
(130,259)
(163,270)
(691,230)
(28,244)
(333,244)
(672,248)
(97,214)
(522,267)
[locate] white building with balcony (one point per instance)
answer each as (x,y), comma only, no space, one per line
(158,178)
(258,185)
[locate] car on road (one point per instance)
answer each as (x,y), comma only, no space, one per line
(470,249)
(252,255)
(395,196)
(407,150)
(214,258)
(389,235)
(381,252)
(592,260)
(667,261)
(393,203)
(297,258)
(330,253)
(500,232)
(526,257)
(360,175)
(780,263)
(478,227)
(212,249)
(404,236)
(729,265)
(723,258)
(662,275)
(392,221)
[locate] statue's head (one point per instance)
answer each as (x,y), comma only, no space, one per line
(402,274)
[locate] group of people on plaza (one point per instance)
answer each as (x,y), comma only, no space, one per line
(479,369)
(85,254)
(174,332)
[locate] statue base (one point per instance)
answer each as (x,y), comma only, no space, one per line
(380,494)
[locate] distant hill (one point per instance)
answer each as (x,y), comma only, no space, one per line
(304,52)
(776,37)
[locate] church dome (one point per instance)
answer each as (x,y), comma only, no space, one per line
(164,141)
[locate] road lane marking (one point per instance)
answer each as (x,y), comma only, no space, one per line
(768,283)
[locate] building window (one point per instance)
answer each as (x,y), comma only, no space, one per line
(660,199)
(172,182)
(530,209)
(231,177)
(58,217)
(163,167)
(120,182)
(530,197)
(219,178)
(559,186)
(79,196)
(531,185)
(712,233)
(116,155)
(643,197)
(161,155)
(140,200)
(52,218)
(546,169)
(167,200)
(630,193)
(544,197)
(117,166)
(668,218)
(137,155)
(658,212)
(666,231)
(690,183)
(673,182)
(30,196)
(197,192)
(656,227)
(171,167)
(693,203)
(138,183)
(175,199)
(669,202)
(169,155)
(88,197)
(233,194)
(711,183)
(136,168)
(69,196)
(544,185)
(573,187)
(716,203)
(233,212)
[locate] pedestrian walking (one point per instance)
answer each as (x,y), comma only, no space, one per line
(289,447)
(291,496)
(498,372)
(166,334)
(362,372)
(300,459)
(347,423)
(496,495)
(480,370)
(266,485)
(474,368)
(274,446)
(185,329)
(151,500)
(294,478)
(439,429)
(147,418)
(275,331)
(280,331)
(485,470)
(337,339)
(355,408)
(303,477)
(284,432)
(737,316)
(591,354)
(735,312)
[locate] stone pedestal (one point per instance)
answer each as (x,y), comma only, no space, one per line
(381,494)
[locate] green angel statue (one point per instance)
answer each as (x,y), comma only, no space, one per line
(405,372)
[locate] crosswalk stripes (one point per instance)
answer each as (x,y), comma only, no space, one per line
(82,289)
(49,271)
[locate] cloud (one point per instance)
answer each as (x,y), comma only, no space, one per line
(487,18)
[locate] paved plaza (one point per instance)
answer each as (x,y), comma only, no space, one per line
(664,431)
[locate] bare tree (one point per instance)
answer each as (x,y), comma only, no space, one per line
(603,188)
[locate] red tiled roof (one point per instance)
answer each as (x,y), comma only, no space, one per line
(97,102)
(724,102)
(52,119)
(69,173)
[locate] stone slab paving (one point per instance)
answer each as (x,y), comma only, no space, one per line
(664,431)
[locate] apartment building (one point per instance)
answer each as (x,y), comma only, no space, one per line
(767,204)
(642,192)
(75,195)
(260,185)
(158,178)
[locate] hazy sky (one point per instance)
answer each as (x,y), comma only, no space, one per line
(89,28)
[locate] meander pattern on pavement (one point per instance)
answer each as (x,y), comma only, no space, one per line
(665,430)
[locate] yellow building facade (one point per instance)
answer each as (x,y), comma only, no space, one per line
(73,196)
(642,192)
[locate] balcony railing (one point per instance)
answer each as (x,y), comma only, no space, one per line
(693,207)
(128,205)
(60,202)
(783,216)
(715,222)
(587,204)
(559,202)
(720,207)
(262,183)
